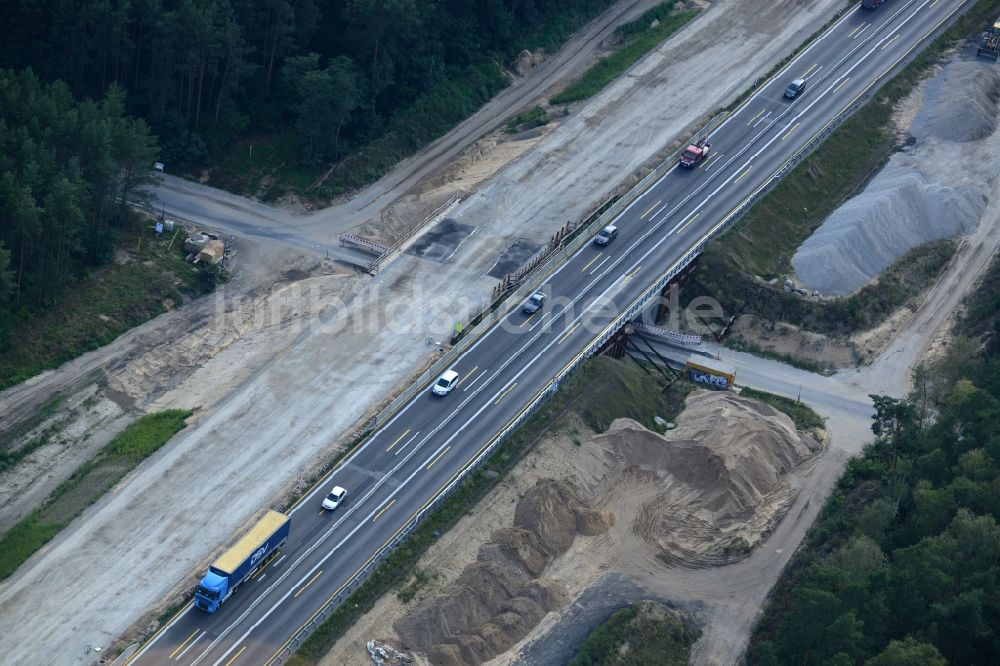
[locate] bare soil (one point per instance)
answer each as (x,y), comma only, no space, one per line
(628,500)
(784,338)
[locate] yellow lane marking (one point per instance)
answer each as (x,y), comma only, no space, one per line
(815,65)
(266,565)
(853,32)
(470,373)
(841,84)
(439,456)
(740,177)
(384,509)
(650,209)
(629,276)
(568,333)
(889,43)
(754,119)
(504,394)
(565,367)
(236,655)
(181,646)
(599,255)
(399,439)
(695,217)
(311,581)
(789,132)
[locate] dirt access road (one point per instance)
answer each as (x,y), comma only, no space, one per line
(318,231)
(287,393)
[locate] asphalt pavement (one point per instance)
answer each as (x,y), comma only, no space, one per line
(403,467)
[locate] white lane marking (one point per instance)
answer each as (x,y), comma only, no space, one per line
(595,269)
(540,320)
(192,645)
(406,443)
(623,212)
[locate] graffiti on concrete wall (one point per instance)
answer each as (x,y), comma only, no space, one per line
(701,377)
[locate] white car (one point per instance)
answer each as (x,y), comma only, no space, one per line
(445,383)
(334,499)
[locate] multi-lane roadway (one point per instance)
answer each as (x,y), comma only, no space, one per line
(406,464)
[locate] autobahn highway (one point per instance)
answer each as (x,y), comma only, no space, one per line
(404,466)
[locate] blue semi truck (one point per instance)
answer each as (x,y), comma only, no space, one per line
(241,561)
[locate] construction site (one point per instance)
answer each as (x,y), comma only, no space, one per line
(288,363)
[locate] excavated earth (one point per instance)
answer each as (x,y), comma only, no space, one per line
(628,500)
(499,598)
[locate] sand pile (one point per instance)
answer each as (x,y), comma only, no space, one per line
(498,599)
(937,189)
(705,493)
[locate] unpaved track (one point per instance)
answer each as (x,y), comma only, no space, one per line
(237,214)
(274,425)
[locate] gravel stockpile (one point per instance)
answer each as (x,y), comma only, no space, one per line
(936,189)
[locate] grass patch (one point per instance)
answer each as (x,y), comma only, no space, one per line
(644,633)
(763,241)
(640,37)
(148,277)
(534,117)
(803,416)
(11,456)
(87,485)
(419,581)
(599,392)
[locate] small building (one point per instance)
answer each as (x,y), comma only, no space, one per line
(712,372)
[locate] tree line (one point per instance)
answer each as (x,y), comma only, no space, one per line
(204,72)
(903,567)
(66,169)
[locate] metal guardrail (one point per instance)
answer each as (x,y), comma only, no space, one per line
(363,243)
(630,313)
(375,266)
(529,286)
(672,336)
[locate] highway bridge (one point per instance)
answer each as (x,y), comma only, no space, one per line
(420,451)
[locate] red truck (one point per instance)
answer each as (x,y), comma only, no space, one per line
(695,153)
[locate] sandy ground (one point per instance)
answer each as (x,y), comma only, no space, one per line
(375,332)
(729,471)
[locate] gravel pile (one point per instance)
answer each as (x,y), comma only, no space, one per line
(936,189)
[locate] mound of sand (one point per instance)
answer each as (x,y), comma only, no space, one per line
(936,190)
(498,599)
(706,492)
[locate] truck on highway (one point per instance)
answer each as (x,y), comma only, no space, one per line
(695,153)
(243,560)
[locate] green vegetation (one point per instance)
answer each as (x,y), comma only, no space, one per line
(903,566)
(147,277)
(66,169)
(763,241)
(88,484)
(645,633)
(342,89)
(534,117)
(419,580)
(804,417)
(639,38)
(10,456)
